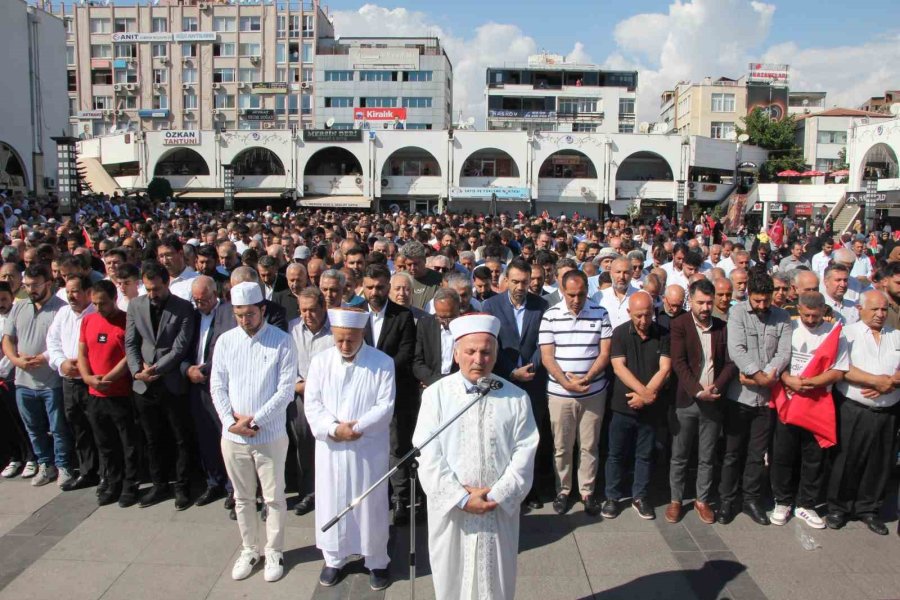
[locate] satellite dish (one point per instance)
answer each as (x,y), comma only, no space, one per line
(663,128)
(743,138)
(470,122)
(329,123)
(895,109)
(644,127)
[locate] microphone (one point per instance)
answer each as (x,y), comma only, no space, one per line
(486,384)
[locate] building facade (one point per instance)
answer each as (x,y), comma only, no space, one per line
(383,82)
(191,65)
(549,94)
(33,96)
(712,108)
(823,136)
(806,103)
(881,104)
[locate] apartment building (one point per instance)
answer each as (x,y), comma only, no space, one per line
(711,108)
(823,135)
(881,104)
(806,103)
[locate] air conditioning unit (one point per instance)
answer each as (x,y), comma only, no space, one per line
(216,112)
(130,86)
(245,85)
(255,60)
(384,182)
(185,86)
(108,113)
(305,85)
(120,112)
(164,60)
(186,60)
(204,6)
(306,187)
(119,87)
(129,61)
(217,86)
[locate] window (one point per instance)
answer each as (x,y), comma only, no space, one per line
(721,130)
(249,49)
(159,25)
(160,76)
(338,75)
(160,102)
(189,75)
(248,75)
(101,51)
(281,26)
(126,76)
(225,24)
(286,104)
(417,102)
(189,50)
(421,126)
(584,127)
(376,76)
(417,75)
(306,104)
(827,164)
(123,25)
(575,106)
(280,74)
(294,75)
(189,123)
(69,24)
(100,26)
(159,50)
(308,53)
(129,102)
(223,49)
(338,102)
(189,24)
(626,127)
(832,137)
(293,52)
(101,77)
(307,75)
(249,101)
(102,102)
(308,26)
(722,103)
(70,55)
(190,100)
(71,81)
(251,24)
(73,106)
(125,50)
(249,124)
(294,26)
(378,102)
(223,75)
(281,53)
(223,100)
(626,106)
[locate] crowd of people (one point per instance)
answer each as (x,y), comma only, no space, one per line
(273,349)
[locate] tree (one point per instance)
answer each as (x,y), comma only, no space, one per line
(159,188)
(778,138)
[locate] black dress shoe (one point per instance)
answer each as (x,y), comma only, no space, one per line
(129,497)
(643,508)
(401,513)
(835,520)
(329,576)
(232,514)
(592,506)
(81,482)
(306,505)
(610,509)
(155,495)
(754,509)
(561,504)
(110,496)
(725,514)
(212,493)
(875,524)
(379,579)
(102,485)
(182,500)
(534,503)
(229,501)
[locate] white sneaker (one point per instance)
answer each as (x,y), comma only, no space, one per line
(244,564)
(65,476)
(11,469)
(30,470)
(780,515)
(811,517)
(274,566)
(46,474)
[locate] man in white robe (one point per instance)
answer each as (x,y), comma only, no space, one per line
(349,403)
(477,472)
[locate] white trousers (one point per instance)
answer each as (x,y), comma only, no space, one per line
(332,559)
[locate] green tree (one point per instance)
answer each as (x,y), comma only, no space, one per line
(159,188)
(778,138)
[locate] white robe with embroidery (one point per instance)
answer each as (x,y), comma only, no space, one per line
(492,445)
(363,391)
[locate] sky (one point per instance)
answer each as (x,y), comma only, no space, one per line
(850,50)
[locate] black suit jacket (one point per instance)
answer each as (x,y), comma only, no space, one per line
(165,348)
(224,320)
(687,355)
(398,340)
(280,284)
(427,361)
(288,301)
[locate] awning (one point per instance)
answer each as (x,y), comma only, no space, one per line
(198,195)
(336,202)
(250,195)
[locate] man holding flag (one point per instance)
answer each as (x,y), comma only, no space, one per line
(806,420)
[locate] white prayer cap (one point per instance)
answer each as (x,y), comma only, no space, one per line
(474,323)
(351,319)
(246,293)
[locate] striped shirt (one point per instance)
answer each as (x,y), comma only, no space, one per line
(577,343)
(254,376)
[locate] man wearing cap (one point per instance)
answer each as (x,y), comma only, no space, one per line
(478,471)
(349,402)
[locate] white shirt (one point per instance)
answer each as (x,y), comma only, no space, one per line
(181,285)
(205,325)
(6,366)
(446,351)
(616,309)
(726,264)
(845,309)
(819,263)
(805,342)
(675,277)
(63,336)
(875,359)
(862,267)
(377,321)
(254,376)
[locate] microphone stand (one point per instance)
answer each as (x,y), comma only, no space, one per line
(409,459)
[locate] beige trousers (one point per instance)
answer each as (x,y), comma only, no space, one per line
(579,420)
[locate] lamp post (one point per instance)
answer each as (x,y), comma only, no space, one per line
(228,185)
(871,196)
(66,172)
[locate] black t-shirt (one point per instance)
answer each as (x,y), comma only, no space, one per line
(642,359)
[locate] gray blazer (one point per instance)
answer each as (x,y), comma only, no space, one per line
(167,349)
(757,343)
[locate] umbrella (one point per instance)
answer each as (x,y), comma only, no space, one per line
(840,173)
(812,173)
(789,173)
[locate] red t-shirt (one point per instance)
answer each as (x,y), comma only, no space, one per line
(105,343)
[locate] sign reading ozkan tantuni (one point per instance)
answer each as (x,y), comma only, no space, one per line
(181,137)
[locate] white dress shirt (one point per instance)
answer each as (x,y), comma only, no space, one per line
(63,336)
(862,267)
(819,263)
(181,285)
(616,309)
(845,309)
(206,322)
(875,358)
(674,276)
(446,350)
(6,366)
(377,321)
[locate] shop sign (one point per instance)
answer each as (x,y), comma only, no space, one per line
(181,137)
(332,135)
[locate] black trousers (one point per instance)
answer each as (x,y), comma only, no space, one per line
(746,441)
(208,428)
(304,442)
(160,410)
(402,426)
(863,460)
(75,401)
(116,434)
(14,442)
(789,441)
(543,484)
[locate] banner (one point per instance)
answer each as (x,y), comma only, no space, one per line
(521,114)
(194,36)
(769,73)
(332,135)
(269,87)
(128,38)
(156,113)
(379,118)
(181,137)
(771,99)
(485,193)
(258,114)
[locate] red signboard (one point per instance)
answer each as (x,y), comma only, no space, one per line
(379,114)
(803,209)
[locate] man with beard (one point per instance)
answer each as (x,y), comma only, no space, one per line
(425,281)
(672,306)
(615,298)
(891,281)
(739,278)
(207,260)
(391,330)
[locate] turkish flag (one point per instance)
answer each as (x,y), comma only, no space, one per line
(812,410)
(88,243)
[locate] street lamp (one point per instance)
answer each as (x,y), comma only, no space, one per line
(66,172)
(228,185)
(871,196)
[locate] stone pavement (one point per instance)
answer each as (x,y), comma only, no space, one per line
(56,546)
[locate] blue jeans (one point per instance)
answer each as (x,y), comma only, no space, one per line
(44,416)
(628,435)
